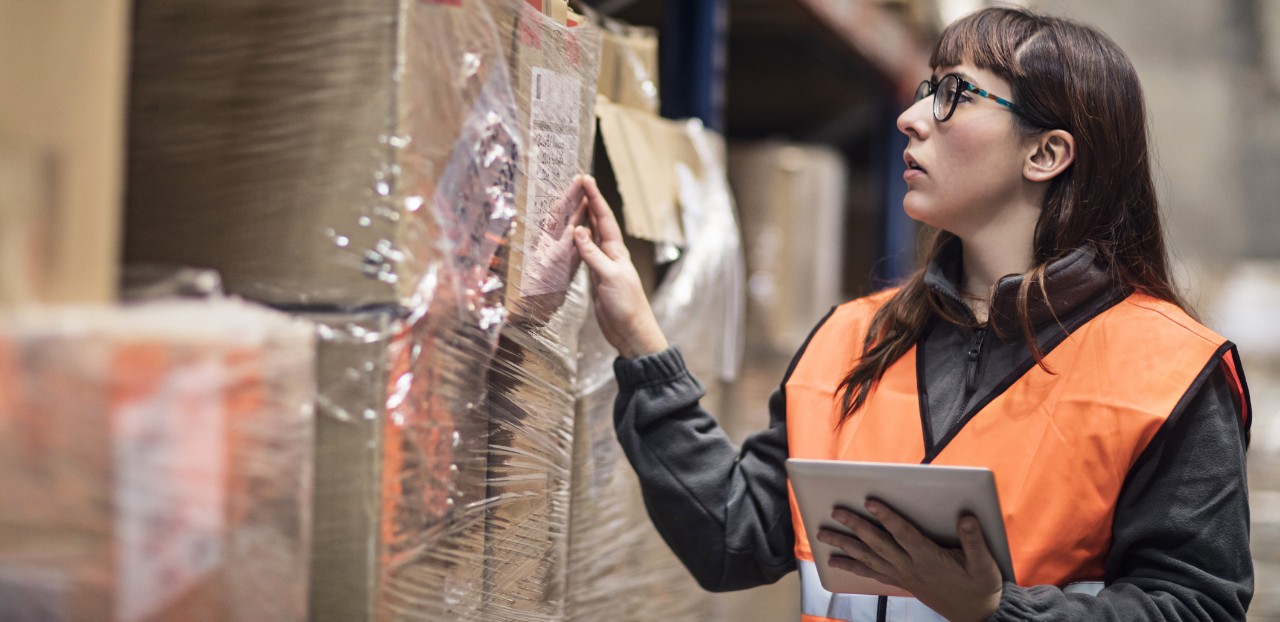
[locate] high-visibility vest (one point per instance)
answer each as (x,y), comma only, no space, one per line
(1060,444)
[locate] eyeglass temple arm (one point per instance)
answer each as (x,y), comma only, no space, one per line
(995,98)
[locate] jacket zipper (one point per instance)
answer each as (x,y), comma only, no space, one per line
(972,363)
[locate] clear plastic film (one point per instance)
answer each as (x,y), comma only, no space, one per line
(395,172)
(156,463)
(531,384)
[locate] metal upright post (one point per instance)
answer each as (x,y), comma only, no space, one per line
(694,46)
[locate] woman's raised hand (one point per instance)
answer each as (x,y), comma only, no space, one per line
(621,306)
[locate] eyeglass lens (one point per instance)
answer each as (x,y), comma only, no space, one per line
(944,95)
(944,98)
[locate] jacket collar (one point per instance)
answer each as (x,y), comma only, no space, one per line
(1072,283)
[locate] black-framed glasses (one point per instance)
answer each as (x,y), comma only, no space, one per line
(946,94)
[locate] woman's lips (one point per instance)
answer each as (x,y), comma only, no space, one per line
(914,170)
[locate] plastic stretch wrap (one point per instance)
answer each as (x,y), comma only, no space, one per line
(395,171)
(155,464)
(531,384)
(620,568)
(295,147)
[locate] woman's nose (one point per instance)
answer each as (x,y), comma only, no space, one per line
(916,119)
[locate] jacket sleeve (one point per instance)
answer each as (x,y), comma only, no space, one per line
(723,510)
(1181,527)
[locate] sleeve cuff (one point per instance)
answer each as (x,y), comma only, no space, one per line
(661,366)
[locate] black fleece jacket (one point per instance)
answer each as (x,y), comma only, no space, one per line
(1181,527)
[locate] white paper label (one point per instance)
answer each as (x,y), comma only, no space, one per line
(555,104)
(170,489)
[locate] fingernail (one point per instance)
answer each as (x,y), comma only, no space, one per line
(969,525)
(874,508)
(580,232)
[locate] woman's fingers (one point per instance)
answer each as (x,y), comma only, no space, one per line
(861,569)
(906,534)
(880,541)
(977,555)
(606,226)
(855,550)
(596,260)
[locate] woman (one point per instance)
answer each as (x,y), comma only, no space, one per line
(1043,339)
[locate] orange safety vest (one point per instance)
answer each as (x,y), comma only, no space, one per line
(1060,444)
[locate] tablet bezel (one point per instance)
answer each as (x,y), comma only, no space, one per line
(931,497)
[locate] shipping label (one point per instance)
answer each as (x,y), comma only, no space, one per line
(554,119)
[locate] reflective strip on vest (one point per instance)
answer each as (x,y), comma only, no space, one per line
(819,603)
(816,602)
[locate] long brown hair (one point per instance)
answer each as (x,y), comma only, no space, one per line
(1064,75)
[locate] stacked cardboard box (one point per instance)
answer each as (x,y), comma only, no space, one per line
(155,464)
(396,171)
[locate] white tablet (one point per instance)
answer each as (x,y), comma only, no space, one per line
(933,498)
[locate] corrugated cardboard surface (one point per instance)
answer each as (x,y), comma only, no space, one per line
(267,123)
(553,70)
(62,68)
(353,361)
(629,66)
(309,136)
(526,540)
(435,493)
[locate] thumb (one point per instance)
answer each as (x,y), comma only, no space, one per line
(591,254)
(977,555)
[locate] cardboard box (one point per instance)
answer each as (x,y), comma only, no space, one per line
(315,137)
(311,136)
(353,364)
(435,491)
(553,70)
(792,201)
(401,468)
(62,66)
(629,66)
(531,408)
(156,463)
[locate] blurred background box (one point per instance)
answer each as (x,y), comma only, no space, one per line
(629,66)
(62,70)
(791,199)
(156,463)
(1241,305)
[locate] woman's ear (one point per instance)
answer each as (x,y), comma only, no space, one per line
(1051,153)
